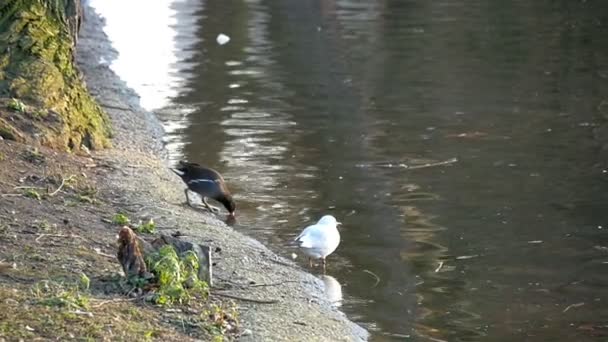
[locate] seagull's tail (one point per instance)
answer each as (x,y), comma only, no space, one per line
(302,241)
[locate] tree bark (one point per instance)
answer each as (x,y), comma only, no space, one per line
(37,69)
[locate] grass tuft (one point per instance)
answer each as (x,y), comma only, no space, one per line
(31,193)
(17,105)
(146,228)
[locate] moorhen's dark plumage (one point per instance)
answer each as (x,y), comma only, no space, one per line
(206,182)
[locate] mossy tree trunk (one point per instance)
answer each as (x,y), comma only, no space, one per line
(37,68)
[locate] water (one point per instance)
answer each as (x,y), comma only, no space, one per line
(461,144)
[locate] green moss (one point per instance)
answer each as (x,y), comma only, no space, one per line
(177,277)
(36,65)
(120,219)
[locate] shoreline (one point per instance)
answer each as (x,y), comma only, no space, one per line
(142,181)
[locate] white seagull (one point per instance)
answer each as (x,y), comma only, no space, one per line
(319,240)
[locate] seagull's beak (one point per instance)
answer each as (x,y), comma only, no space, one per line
(338,223)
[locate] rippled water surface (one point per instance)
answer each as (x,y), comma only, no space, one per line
(460,143)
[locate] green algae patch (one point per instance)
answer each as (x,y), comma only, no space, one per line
(37,71)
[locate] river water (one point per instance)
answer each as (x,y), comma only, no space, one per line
(462,145)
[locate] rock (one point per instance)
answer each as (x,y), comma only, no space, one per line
(11,301)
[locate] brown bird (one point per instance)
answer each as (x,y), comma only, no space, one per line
(129,255)
(208,183)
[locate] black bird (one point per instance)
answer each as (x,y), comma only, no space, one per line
(206,182)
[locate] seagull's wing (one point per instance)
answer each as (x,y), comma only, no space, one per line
(311,237)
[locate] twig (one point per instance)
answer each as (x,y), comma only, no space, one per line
(119,300)
(98,251)
(59,235)
(258,301)
(273,284)
(29,187)
(11,195)
(375,276)
(61,185)
(439,267)
(256,285)
(283,263)
(84,313)
(6,183)
(434,339)
(116,107)
(573,306)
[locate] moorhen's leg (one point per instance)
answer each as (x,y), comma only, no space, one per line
(187,197)
(210,207)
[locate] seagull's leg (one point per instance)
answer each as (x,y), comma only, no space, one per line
(210,207)
(310,262)
(324,264)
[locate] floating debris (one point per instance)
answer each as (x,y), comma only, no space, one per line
(469,135)
(573,306)
(222,39)
(535,241)
(465,257)
(373,275)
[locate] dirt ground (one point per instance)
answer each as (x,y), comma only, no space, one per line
(56,226)
(59,278)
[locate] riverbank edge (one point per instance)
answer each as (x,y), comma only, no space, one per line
(302,311)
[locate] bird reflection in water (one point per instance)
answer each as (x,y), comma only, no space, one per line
(333,290)
(230,220)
